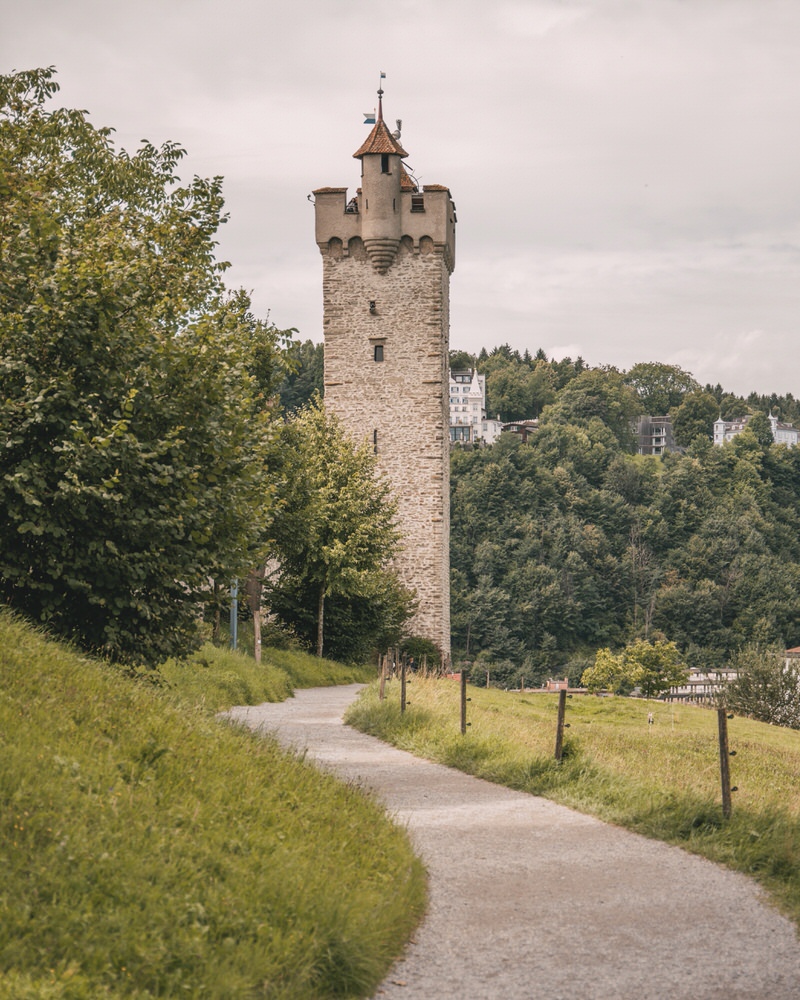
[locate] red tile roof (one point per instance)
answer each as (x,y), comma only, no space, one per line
(406,183)
(380,140)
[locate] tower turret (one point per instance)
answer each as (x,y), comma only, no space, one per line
(381,181)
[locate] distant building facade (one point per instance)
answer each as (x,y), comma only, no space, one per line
(654,435)
(782,433)
(702,687)
(468,420)
(524,428)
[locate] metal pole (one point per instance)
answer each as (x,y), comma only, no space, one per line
(234,614)
(724,762)
(562,708)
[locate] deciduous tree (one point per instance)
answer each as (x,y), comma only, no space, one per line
(694,417)
(660,387)
(131,467)
(598,394)
(654,667)
(767,687)
(334,527)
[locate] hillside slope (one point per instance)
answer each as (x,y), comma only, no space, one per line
(147,850)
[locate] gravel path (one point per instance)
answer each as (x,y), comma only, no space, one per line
(531,900)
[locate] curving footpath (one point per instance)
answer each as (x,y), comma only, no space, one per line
(531,900)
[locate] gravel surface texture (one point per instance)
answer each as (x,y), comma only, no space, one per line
(531,900)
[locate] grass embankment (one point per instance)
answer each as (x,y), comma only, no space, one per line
(216,679)
(661,780)
(148,850)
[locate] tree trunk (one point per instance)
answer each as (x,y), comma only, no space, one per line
(254,587)
(217,614)
(320,619)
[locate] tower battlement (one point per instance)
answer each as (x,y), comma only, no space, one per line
(427,217)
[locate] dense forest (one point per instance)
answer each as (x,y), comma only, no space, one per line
(572,542)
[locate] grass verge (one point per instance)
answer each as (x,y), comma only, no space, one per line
(660,780)
(217,679)
(147,850)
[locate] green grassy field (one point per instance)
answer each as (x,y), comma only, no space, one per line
(661,780)
(149,850)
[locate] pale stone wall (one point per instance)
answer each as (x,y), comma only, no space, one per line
(402,401)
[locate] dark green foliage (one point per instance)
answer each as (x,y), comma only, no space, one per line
(424,651)
(131,388)
(306,362)
(518,386)
(759,425)
(694,418)
(569,543)
(357,626)
(598,394)
(784,407)
(462,361)
(333,533)
(660,388)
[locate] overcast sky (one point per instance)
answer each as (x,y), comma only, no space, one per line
(626,172)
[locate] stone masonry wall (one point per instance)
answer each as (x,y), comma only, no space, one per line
(403,398)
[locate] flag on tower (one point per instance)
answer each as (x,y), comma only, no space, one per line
(369,117)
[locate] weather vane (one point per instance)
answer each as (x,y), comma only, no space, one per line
(370,116)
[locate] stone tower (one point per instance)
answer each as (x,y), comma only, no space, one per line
(387,256)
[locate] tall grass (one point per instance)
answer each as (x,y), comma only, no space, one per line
(147,850)
(219,678)
(661,780)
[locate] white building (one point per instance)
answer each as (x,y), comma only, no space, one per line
(726,430)
(702,687)
(468,420)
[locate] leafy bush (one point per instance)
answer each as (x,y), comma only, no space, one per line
(767,686)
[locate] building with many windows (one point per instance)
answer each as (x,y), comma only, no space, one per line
(654,435)
(726,430)
(468,420)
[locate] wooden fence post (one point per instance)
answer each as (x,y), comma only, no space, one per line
(562,708)
(403,684)
(383,677)
(463,698)
(724,762)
